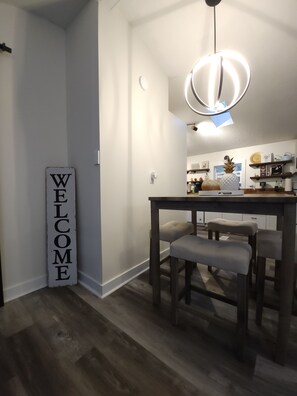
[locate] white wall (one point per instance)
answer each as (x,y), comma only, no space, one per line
(83,138)
(243,155)
(32,137)
(137,134)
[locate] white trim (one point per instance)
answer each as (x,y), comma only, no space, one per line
(90,284)
(21,289)
(102,290)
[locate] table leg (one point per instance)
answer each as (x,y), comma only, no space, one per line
(286,283)
(194,221)
(1,288)
(155,254)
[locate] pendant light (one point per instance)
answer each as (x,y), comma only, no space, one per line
(218,81)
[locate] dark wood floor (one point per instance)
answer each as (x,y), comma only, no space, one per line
(65,341)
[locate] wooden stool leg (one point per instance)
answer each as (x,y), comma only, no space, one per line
(260,289)
(242,311)
(253,244)
(188,273)
(150,266)
(277,275)
(209,268)
(174,289)
(217,238)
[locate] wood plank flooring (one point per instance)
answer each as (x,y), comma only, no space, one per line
(66,341)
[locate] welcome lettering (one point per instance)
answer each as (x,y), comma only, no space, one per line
(62,240)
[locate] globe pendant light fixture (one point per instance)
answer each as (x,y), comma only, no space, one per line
(218,81)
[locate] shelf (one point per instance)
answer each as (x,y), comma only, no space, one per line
(198,170)
(269,163)
(283,176)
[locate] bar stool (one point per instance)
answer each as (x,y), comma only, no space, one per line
(170,232)
(233,256)
(245,228)
(269,246)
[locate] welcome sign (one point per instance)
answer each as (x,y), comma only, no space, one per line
(61,227)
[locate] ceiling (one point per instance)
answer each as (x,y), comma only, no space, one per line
(179,32)
(59,12)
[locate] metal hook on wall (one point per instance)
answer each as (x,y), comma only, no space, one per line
(3,48)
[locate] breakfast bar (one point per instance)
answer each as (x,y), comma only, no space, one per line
(281,205)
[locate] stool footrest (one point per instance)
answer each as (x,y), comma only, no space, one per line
(212,294)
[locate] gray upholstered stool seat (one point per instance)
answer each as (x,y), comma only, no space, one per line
(233,256)
(245,228)
(174,230)
(169,232)
(269,246)
(234,227)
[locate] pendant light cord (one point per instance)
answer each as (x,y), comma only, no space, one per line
(214,31)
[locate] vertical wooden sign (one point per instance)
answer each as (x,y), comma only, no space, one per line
(61,227)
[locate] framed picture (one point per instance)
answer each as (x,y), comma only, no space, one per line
(277,170)
(204,164)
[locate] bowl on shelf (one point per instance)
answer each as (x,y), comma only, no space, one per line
(255,158)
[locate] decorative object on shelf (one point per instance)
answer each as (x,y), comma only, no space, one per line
(255,158)
(263,170)
(227,76)
(277,157)
(267,157)
(210,184)
(204,164)
(195,166)
(287,157)
(276,170)
(229,180)
(288,185)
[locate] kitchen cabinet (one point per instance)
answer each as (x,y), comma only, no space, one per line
(208,216)
(200,217)
(271,222)
(232,216)
(264,222)
(259,219)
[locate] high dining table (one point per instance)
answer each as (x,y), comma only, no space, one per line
(279,204)
(1,287)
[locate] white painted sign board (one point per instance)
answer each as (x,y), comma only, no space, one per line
(61,227)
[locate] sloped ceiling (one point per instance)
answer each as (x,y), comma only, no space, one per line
(59,12)
(179,32)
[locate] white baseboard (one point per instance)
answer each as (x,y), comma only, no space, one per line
(21,289)
(104,289)
(100,290)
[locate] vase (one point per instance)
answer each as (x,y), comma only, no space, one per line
(229,181)
(210,184)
